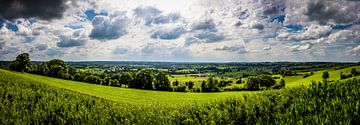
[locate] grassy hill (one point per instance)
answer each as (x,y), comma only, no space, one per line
(31,99)
(172,99)
(126,95)
(317,76)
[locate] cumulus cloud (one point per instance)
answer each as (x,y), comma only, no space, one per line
(305,28)
(203,25)
(70,42)
(109,27)
(335,11)
(152,15)
(267,48)
(120,50)
(235,48)
(43,9)
(41,47)
(258,26)
(300,47)
(54,53)
(312,32)
(341,36)
(168,33)
(355,51)
(209,37)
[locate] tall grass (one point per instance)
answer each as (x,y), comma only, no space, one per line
(30,102)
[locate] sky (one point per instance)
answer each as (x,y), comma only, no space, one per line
(181,30)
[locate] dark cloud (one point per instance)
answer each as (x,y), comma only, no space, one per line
(238,23)
(70,42)
(42,9)
(120,51)
(236,48)
(168,34)
(205,25)
(258,26)
(339,11)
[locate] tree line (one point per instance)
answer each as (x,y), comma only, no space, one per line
(147,79)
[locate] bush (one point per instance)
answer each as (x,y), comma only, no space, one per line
(252,83)
(180,88)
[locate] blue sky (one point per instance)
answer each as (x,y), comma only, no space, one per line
(186,30)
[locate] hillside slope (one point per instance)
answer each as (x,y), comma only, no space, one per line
(127,95)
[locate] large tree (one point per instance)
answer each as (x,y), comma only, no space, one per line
(266,80)
(57,68)
(144,79)
(162,82)
(22,63)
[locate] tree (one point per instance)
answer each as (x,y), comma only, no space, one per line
(325,75)
(354,72)
(203,86)
(190,85)
(57,67)
(22,63)
(252,83)
(144,79)
(282,83)
(162,82)
(175,83)
(266,81)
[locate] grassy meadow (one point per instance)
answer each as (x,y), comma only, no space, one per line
(31,99)
(126,95)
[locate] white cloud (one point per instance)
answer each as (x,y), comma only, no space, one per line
(355,51)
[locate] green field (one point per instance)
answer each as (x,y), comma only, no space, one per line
(32,99)
(127,95)
(317,76)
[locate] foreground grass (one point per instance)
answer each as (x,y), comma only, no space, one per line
(26,101)
(127,95)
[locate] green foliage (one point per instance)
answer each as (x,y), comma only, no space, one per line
(144,79)
(325,75)
(252,83)
(22,63)
(162,82)
(282,83)
(262,81)
(266,81)
(190,85)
